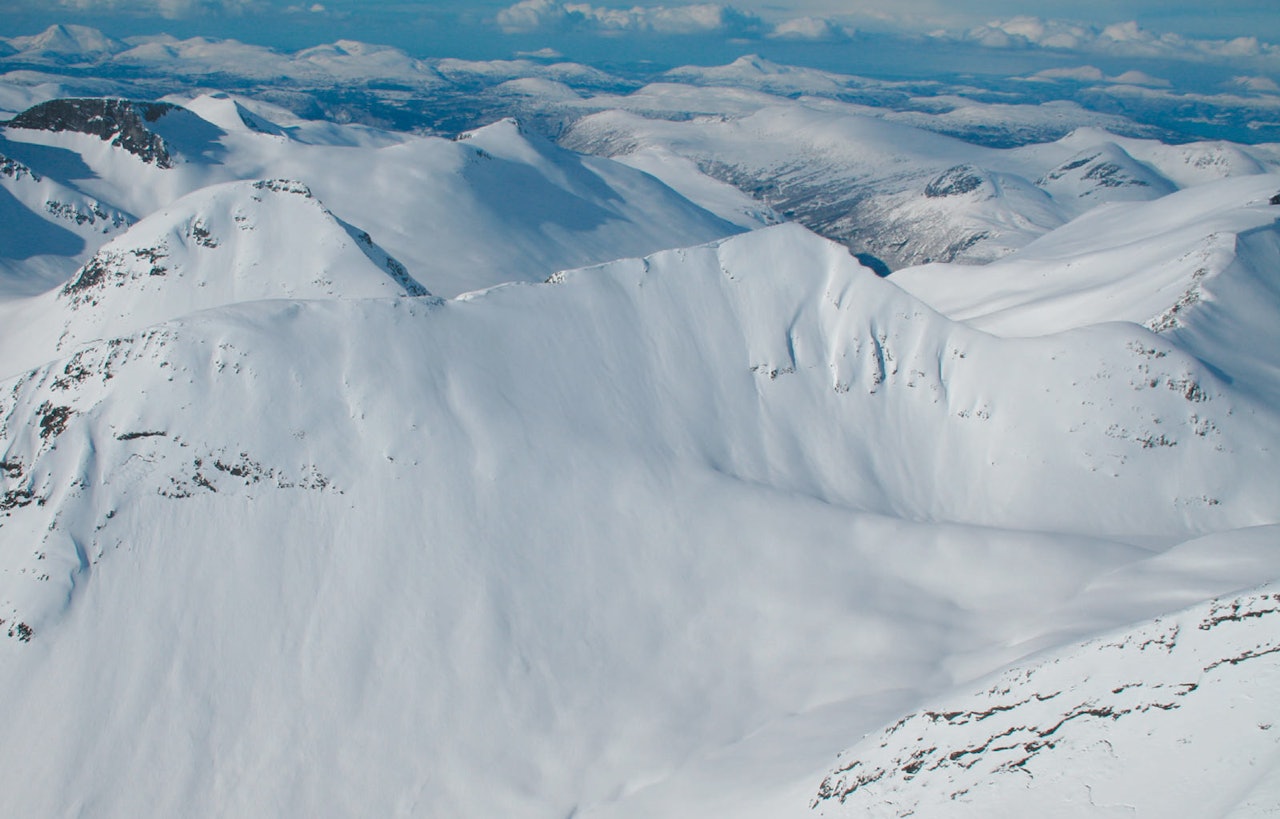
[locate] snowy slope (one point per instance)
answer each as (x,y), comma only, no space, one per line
(45,228)
(903,194)
(225,244)
(1185,165)
(856,179)
(854,172)
(501,205)
(1185,266)
(1105,172)
(1138,722)
(558,548)
(298,520)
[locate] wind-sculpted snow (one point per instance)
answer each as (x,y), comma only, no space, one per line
(1138,721)
(588,534)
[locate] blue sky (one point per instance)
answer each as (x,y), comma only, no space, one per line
(1001,36)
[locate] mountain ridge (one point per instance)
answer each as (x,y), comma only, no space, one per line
(565,491)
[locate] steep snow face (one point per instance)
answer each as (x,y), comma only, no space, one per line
(721,198)
(1137,721)
(1197,266)
(501,205)
(45,228)
(732,489)
(242,241)
(231,114)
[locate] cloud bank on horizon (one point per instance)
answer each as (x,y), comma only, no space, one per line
(528,16)
(1116,30)
(1125,38)
(168,9)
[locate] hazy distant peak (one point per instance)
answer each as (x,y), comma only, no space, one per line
(67,40)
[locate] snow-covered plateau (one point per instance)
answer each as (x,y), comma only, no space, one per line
(356,472)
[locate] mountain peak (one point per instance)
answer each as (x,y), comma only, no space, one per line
(505,127)
(224,244)
(230,114)
(67,40)
(275,224)
(756,63)
(286,186)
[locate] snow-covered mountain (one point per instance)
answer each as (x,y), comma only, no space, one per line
(46,227)
(606,535)
(496,205)
(346,471)
(64,42)
(225,244)
(908,196)
(1168,265)
(1094,729)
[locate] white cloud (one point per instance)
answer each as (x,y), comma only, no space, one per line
(809,28)
(704,18)
(1263,84)
(172,9)
(1140,78)
(1023,32)
(531,15)
(1128,32)
(1084,73)
(1092,74)
(1243,47)
(1118,39)
(541,54)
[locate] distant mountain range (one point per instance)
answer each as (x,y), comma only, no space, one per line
(387,87)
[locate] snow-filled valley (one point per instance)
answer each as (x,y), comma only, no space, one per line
(355,472)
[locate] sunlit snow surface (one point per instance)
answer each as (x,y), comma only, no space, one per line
(284,533)
(494,206)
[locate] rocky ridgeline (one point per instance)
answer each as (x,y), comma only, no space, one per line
(1106,703)
(123,123)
